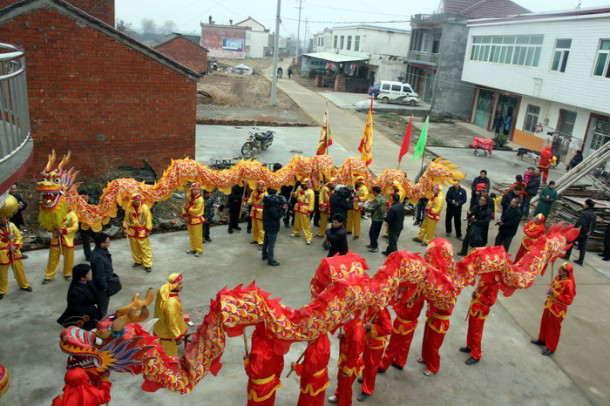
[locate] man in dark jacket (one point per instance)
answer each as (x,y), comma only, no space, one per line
(274,207)
(509,224)
(455,198)
(377,209)
(234,204)
(83,306)
(482,178)
(531,190)
(606,254)
(576,159)
(508,198)
(395,219)
(17,219)
(337,236)
(208,214)
(340,201)
(478,223)
(586,222)
(101,267)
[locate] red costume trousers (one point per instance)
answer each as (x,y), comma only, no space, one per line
(372,358)
(550,329)
(430,349)
(475,336)
(545,174)
(305,399)
(344,389)
(397,350)
(270,401)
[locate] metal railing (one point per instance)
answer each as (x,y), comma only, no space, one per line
(435,18)
(423,56)
(14,112)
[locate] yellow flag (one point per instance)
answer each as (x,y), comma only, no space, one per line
(326,137)
(366,143)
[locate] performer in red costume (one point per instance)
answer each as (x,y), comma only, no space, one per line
(533,230)
(397,351)
(350,361)
(378,328)
(263,367)
(437,324)
(545,162)
(558,298)
(79,391)
(483,298)
(314,372)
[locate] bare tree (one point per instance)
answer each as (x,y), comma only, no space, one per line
(149,26)
(123,26)
(168,27)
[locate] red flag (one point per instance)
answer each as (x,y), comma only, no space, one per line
(404,148)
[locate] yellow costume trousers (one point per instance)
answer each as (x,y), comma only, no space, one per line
(140,251)
(196,237)
(22,281)
(323,224)
(354,218)
(427,230)
(54,253)
(302,222)
(170,346)
(258,234)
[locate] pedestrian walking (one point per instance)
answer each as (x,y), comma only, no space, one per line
(531,190)
(395,219)
(586,221)
(102,271)
(606,254)
(509,224)
(234,204)
(274,207)
(456,198)
(482,178)
(478,222)
(289,72)
(83,302)
(208,214)
(548,197)
(17,218)
(498,123)
(377,209)
(337,236)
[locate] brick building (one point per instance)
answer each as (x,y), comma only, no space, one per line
(96,91)
(182,50)
(224,41)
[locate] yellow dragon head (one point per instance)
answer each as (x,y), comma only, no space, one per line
(55,187)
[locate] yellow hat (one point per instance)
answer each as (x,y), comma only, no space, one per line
(10,207)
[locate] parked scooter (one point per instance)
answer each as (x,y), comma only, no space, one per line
(257,141)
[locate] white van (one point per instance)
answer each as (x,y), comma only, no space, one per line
(397,92)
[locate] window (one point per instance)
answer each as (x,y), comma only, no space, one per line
(335,42)
(385,86)
(407,89)
(396,88)
(531,118)
(601,134)
(508,49)
(602,64)
(349,42)
(565,124)
(560,56)
(341,41)
(357,43)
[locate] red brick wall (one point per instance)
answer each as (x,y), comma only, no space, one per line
(212,36)
(108,103)
(100,9)
(186,53)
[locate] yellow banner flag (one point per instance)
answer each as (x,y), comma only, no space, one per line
(326,137)
(366,143)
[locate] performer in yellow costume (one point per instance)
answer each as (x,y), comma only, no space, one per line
(62,244)
(306,200)
(354,216)
(433,214)
(256,214)
(193,214)
(324,205)
(396,187)
(170,327)
(10,245)
(137,227)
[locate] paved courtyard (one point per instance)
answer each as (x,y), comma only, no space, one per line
(512,371)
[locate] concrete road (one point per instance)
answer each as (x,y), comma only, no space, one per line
(361,101)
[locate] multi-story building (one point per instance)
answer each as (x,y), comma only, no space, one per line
(378,53)
(257,38)
(436,52)
(547,75)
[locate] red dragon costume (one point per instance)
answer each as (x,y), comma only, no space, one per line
(378,329)
(533,230)
(314,372)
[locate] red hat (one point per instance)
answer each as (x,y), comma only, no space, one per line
(481,186)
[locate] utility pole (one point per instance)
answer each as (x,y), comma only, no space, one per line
(305,42)
(276,46)
(299,30)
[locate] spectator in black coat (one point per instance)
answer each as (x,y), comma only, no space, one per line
(17,219)
(101,267)
(395,219)
(606,254)
(531,190)
(586,222)
(482,178)
(340,201)
(83,306)
(234,205)
(274,207)
(336,236)
(509,224)
(208,214)
(455,198)
(478,223)
(509,196)
(85,235)
(576,159)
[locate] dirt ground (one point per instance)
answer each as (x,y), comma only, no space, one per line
(234,96)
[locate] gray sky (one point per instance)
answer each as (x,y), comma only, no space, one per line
(187,14)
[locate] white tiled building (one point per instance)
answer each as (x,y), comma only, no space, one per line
(548,72)
(257,38)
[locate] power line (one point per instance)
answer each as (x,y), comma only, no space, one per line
(354,11)
(352,22)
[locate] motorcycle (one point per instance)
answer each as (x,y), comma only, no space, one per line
(257,141)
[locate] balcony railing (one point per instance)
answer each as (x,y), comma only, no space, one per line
(423,57)
(435,18)
(14,113)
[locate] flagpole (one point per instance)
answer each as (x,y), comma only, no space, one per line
(327,127)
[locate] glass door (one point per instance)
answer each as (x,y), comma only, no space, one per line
(481,115)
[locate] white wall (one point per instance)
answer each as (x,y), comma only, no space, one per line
(372,42)
(257,41)
(575,87)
